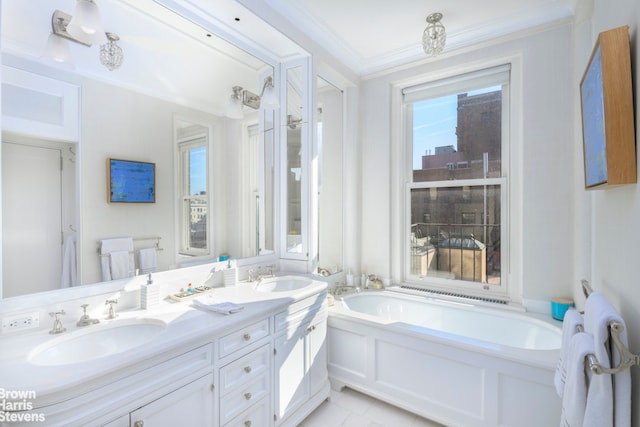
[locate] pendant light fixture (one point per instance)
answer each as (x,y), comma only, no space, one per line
(434,37)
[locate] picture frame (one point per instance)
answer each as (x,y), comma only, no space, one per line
(130,181)
(606,97)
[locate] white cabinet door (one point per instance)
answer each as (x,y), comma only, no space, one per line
(291,382)
(191,405)
(317,345)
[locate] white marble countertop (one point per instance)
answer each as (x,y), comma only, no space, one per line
(188,327)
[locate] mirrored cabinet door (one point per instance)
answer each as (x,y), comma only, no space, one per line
(330,172)
(296,174)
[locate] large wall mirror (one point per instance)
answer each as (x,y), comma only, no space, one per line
(176,72)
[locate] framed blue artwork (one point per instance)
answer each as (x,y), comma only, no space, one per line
(131,181)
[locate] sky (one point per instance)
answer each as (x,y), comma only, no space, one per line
(434,125)
(198,170)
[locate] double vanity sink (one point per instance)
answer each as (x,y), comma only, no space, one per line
(85,361)
(118,336)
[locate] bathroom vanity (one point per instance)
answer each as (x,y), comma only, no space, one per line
(177,364)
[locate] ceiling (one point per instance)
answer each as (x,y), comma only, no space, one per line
(373,35)
(165,55)
(184,61)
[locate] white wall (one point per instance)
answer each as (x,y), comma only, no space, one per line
(611,231)
(544,192)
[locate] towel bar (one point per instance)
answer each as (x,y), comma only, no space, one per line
(627,359)
(136,239)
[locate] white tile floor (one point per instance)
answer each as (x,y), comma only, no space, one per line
(349,408)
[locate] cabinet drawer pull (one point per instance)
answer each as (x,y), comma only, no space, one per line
(247,396)
(246,336)
(247,369)
(247,423)
(138,424)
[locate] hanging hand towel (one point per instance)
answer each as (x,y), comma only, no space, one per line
(119,264)
(148,260)
(576,389)
(572,319)
(612,395)
(111,245)
(69,277)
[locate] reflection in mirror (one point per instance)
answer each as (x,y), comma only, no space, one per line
(171,67)
(294,160)
(330,176)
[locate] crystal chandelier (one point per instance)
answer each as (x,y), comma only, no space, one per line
(434,36)
(110,53)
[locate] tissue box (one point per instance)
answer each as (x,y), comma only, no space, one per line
(559,307)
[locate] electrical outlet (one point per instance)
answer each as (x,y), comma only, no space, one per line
(20,322)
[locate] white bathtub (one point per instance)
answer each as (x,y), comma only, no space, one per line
(455,363)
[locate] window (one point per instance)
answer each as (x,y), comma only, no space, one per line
(194,196)
(457,131)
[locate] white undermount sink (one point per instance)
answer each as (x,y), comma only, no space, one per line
(283,284)
(97,341)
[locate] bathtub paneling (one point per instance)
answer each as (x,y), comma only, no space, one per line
(443,377)
(347,352)
(438,379)
(541,399)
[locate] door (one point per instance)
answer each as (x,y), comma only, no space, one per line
(291,372)
(31,219)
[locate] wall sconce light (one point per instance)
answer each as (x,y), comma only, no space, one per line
(86,23)
(293,122)
(234,107)
(63,29)
(434,37)
(268,99)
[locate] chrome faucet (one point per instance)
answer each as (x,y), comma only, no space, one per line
(57,323)
(112,310)
(85,319)
(267,275)
(343,289)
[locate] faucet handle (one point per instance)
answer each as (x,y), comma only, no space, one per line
(112,311)
(57,323)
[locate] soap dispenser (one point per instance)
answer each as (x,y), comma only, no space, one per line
(230,274)
(149,293)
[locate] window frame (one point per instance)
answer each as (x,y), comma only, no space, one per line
(184,147)
(511,275)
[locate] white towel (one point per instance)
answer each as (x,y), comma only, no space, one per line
(572,319)
(577,386)
(112,245)
(211,303)
(609,403)
(69,271)
(148,260)
(119,264)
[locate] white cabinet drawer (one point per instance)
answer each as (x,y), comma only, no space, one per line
(256,416)
(240,399)
(299,311)
(243,337)
(244,369)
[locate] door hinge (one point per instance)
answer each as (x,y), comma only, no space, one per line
(274,351)
(213,387)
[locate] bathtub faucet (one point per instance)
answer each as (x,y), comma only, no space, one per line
(343,289)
